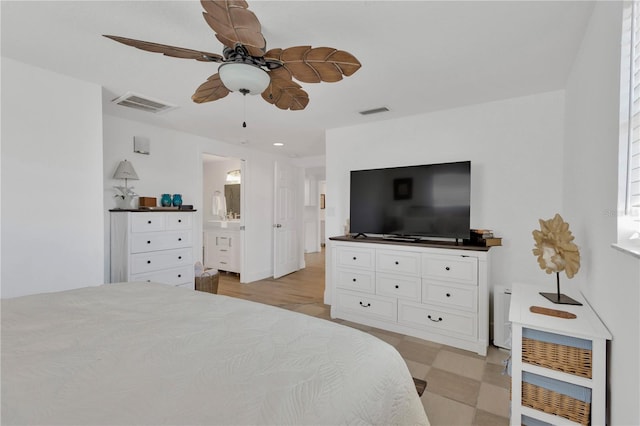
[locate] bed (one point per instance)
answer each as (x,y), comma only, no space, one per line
(146,353)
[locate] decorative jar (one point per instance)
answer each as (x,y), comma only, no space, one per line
(165,200)
(177,200)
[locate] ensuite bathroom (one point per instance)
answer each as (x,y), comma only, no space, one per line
(222,212)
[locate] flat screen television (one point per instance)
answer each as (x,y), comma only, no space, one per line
(431,200)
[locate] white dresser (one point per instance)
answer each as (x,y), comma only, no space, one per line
(437,293)
(152,246)
(222,249)
(559,365)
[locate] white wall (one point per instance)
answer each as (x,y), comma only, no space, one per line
(52,208)
(175,166)
(314,173)
(609,279)
(515,148)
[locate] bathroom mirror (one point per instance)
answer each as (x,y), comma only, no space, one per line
(232,197)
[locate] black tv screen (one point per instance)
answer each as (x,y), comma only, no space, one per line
(430,200)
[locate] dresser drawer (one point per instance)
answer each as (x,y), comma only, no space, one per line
(401,286)
(147,222)
(451,268)
(175,276)
(356,280)
(377,307)
(178,220)
(356,258)
(157,260)
(151,241)
(224,241)
(437,319)
(450,295)
(398,262)
(224,263)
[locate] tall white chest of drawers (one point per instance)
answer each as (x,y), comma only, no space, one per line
(152,246)
(437,293)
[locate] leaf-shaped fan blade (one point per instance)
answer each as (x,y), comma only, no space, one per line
(234,23)
(176,52)
(285,93)
(210,90)
(313,65)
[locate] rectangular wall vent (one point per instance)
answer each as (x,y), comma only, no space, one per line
(374,111)
(143,103)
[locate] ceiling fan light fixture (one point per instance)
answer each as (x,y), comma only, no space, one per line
(243,78)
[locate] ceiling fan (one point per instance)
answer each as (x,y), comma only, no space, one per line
(247,67)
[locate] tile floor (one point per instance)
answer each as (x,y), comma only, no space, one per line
(463,388)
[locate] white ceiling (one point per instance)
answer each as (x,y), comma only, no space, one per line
(417,57)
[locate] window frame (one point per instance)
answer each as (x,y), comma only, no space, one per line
(628,224)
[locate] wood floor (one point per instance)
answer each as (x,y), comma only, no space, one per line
(463,388)
(305,286)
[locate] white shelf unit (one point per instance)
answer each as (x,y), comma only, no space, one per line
(421,290)
(153,247)
(586,326)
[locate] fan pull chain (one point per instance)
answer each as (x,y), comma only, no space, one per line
(244,122)
(244,98)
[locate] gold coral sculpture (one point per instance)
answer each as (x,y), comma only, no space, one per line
(556,252)
(555,248)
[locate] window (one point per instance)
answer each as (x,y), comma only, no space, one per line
(629,165)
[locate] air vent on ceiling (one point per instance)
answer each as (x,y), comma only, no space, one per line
(374,111)
(143,103)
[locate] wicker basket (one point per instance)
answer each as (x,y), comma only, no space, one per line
(567,359)
(551,402)
(207,282)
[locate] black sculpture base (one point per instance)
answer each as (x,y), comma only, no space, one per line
(560,299)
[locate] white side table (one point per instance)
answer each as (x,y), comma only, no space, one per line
(586,326)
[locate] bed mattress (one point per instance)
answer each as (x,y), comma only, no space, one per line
(145,353)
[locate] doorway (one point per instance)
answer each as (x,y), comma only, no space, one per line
(222,239)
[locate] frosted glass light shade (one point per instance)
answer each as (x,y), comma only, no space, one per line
(239,77)
(233,176)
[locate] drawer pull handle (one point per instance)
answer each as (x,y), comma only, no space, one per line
(148,242)
(438,320)
(354,280)
(148,262)
(179,239)
(148,281)
(179,220)
(447,268)
(365,306)
(179,257)
(354,258)
(448,294)
(149,222)
(397,263)
(397,286)
(179,275)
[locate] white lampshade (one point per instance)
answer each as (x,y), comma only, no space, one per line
(241,77)
(125,171)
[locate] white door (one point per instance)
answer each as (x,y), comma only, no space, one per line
(285,232)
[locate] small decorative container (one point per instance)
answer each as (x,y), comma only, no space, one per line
(165,200)
(147,202)
(177,200)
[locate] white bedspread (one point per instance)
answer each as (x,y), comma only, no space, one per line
(139,353)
